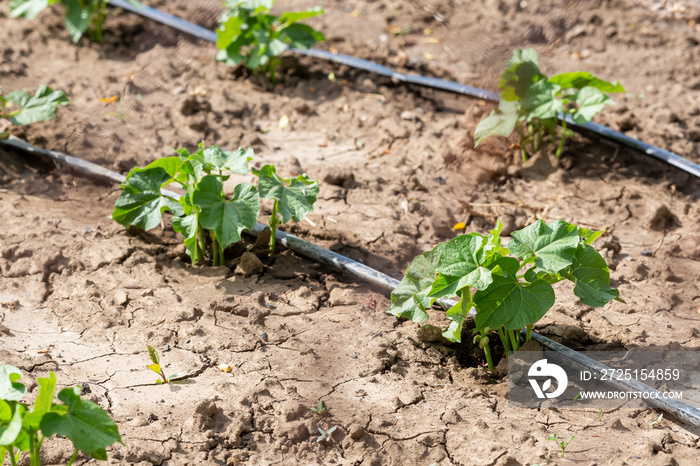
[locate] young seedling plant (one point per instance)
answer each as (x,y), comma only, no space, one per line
(561,443)
(326,435)
(22,429)
(293,197)
(204,211)
(507,293)
(80,15)
(249,34)
(22,108)
(532,102)
(320,409)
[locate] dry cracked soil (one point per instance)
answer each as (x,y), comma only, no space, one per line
(82,296)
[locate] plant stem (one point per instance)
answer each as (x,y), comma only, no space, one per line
(529,333)
(504,340)
(11,451)
(72,458)
(563,137)
(487,353)
(273,221)
(523,152)
(514,340)
(34,458)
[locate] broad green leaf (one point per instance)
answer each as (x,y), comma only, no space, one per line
(456,314)
(552,245)
(27,8)
(581,79)
(235,161)
(410,298)
(85,423)
(459,266)
(501,122)
(171,165)
(276,47)
(154,367)
(40,107)
(540,101)
(512,303)
(591,276)
(520,72)
(228,32)
(227,218)
(3,454)
(10,389)
(5,412)
(301,36)
(295,196)
(153,355)
(141,203)
(10,431)
(187,227)
(296,16)
(78,18)
(43,402)
(590,101)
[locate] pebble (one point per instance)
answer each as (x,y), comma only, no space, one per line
(353,355)
(264,336)
(646,253)
(167,348)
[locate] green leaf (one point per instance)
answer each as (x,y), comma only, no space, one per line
(155,368)
(296,16)
(459,266)
(141,203)
(5,412)
(591,275)
(590,101)
(43,402)
(512,303)
(228,32)
(85,423)
(492,249)
(552,245)
(520,72)
(187,227)
(501,122)
(410,298)
(40,107)
(10,389)
(77,18)
(27,8)
(153,355)
(171,165)
(227,218)
(589,236)
(540,101)
(581,79)
(301,36)
(234,161)
(10,431)
(456,314)
(295,196)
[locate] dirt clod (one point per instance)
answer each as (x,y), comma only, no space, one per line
(249,264)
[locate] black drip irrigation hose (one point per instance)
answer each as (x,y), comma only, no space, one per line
(435,83)
(681,410)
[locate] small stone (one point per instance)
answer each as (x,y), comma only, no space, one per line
(167,348)
(121,298)
(409,116)
(264,336)
(85,389)
(147,293)
(646,253)
(353,355)
(249,265)
(356,431)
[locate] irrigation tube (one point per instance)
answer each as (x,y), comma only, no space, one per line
(435,83)
(682,410)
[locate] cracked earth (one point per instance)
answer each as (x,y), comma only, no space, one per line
(83,297)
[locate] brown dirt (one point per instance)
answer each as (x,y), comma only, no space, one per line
(77,285)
